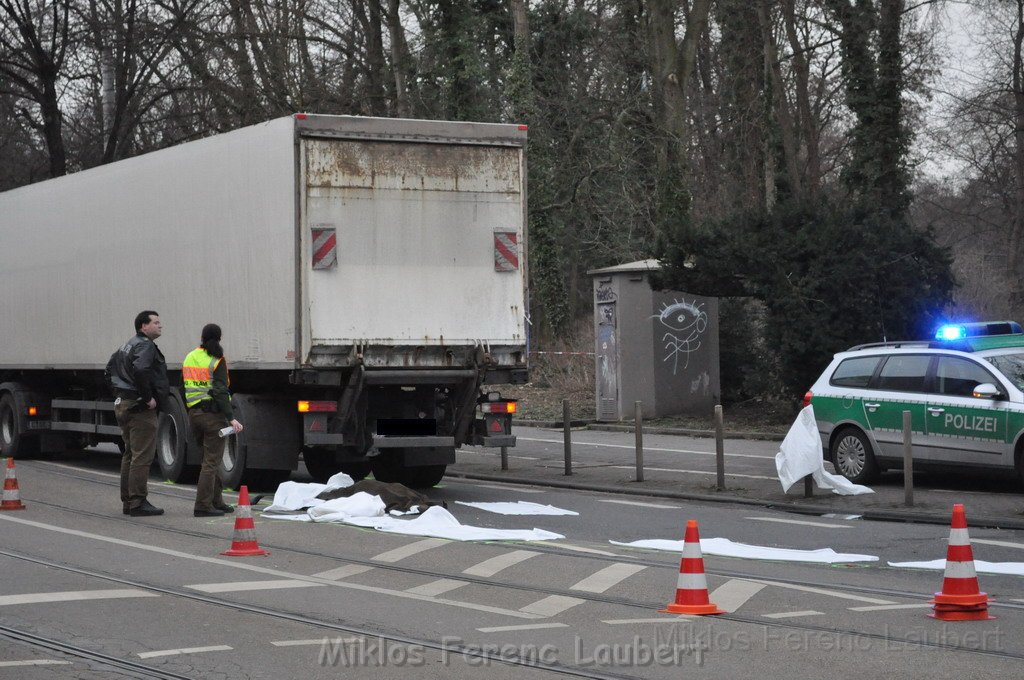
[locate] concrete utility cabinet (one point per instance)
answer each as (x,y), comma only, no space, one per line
(658,347)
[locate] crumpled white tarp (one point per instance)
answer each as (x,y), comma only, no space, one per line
(437,522)
(519,508)
(800,455)
(1011,568)
(293,496)
(359,504)
(726,548)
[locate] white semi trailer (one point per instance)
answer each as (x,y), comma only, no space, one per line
(369,275)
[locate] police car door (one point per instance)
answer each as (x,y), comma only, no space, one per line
(963,428)
(898,387)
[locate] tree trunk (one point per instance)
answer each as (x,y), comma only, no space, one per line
(399,59)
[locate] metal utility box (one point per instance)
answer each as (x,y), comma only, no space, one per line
(657,347)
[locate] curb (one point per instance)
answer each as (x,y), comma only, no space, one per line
(602,427)
(909,517)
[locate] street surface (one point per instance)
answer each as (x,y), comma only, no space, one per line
(91,593)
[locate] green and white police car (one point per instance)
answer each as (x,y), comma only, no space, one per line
(964,391)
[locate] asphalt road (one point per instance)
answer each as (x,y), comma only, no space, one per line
(90,593)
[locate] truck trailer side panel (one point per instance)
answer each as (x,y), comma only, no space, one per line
(202,232)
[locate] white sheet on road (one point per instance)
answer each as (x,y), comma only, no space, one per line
(723,547)
(293,496)
(800,455)
(519,508)
(1012,568)
(439,523)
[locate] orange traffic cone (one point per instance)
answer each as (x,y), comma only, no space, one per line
(960,599)
(244,543)
(12,495)
(692,588)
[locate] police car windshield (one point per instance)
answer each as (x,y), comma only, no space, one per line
(1010,365)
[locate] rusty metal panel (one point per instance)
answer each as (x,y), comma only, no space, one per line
(415,225)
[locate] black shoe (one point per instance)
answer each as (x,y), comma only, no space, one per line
(225,508)
(125,508)
(147,509)
(207,513)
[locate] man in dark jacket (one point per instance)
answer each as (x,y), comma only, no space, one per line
(138,376)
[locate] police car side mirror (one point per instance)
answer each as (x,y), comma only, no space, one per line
(987,391)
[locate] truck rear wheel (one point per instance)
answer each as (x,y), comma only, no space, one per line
(323,464)
(173,440)
(389,468)
(14,439)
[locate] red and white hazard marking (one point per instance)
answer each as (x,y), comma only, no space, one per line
(325,248)
(506,251)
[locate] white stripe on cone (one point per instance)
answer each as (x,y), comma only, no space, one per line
(960,570)
(959,537)
(691,582)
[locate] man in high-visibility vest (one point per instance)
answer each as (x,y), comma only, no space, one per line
(205,377)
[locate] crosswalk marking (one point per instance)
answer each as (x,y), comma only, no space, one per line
(343,571)
(184,650)
(73,595)
(34,662)
(822,591)
(790,615)
(604,579)
(886,607)
(529,626)
(734,593)
(399,554)
(241,586)
(304,643)
(551,605)
(1004,544)
(434,588)
(492,566)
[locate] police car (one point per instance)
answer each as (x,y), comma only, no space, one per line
(964,391)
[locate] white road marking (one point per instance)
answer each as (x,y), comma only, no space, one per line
(277,573)
(73,596)
(664,619)
(343,571)
(734,593)
(647,448)
(492,566)
(692,472)
(551,605)
(184,650)
(604,579)
(399,554)
(501,488)
(800,522)
(320,642)
(790,615)
(589,551)
(822,591)
(641,505)
(886,607)
(240,586)
(529,626)
(34,662)
(1004,544)
(438,587)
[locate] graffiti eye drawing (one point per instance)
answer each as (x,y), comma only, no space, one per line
(686,322)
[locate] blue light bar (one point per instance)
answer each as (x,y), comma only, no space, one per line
(950,332)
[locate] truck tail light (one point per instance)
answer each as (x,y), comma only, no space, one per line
(318,407)
(498,407)
(807,399)
(33,411)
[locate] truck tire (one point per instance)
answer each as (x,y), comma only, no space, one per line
(322,464)
(15,441)
(388,468)
(232,462)
(173,443)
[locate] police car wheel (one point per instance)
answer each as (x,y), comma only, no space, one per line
(853,457)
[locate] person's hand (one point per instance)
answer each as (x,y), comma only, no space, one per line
(151,404)
(237,425)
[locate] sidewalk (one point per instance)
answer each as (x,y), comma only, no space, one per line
(990,501)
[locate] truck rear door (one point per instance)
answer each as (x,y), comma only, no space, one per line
(412,243)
